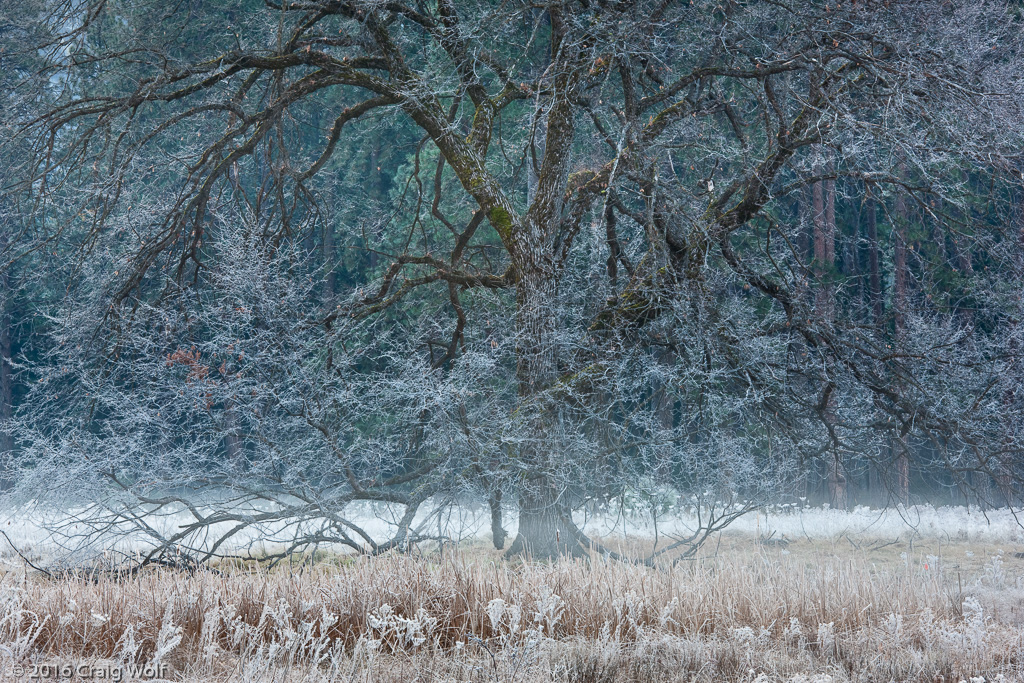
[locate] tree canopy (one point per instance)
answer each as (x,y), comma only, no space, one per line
(317,253)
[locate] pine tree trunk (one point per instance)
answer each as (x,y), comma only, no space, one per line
(824,193)
(900,285)
(874,269)
(824,247)
(901,276)
(6,388)
(875,478)
(232,439)
(6,374)
(902,470)
(374,188)
(331,282)
(850,260)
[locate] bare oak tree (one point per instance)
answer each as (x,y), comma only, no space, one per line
(622,169)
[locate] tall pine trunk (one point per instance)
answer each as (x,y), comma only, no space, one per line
(6,372)
(6,384)
(874,269)
(876,302)
(900,294)
(824,193)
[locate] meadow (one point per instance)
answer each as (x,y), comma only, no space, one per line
(942,600)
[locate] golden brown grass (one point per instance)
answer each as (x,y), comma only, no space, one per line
(800,613)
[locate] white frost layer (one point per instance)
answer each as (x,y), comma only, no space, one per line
(945,523)
(27,529)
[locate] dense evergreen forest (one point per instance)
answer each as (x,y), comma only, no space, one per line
(265,261)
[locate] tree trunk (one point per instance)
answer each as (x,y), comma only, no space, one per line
(6,374)
(545,528)
(6,387)
(331,282)
(939,234)
(900,284)
(498,533)
(824,247)
(875,476)
(876,487)
(824,193)
(804,253)
(874,270)
(850,260)
(232,439)
(902,470)
(374,188)
(900,276)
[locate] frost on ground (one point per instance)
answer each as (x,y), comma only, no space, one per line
(27,529)
(795,594)
(959,523)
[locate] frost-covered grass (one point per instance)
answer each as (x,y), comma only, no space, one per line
(809,611)
(788,594)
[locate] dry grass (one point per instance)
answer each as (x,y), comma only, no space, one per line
(800,613)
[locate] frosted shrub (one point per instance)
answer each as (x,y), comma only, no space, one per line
(630,610)
(549,610)
(514,617)
(420,627)
(495,610)
(169,637)
(826,637)
(744,635)
(401,632)
(504,617)
(208,636)
(794,633)
(381,619)
(974,622)
(926,627)
(127,650)
(366,650)
(238,631)
(20,628)
(285,640)
(893,625)
(665,619)
(995,574)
